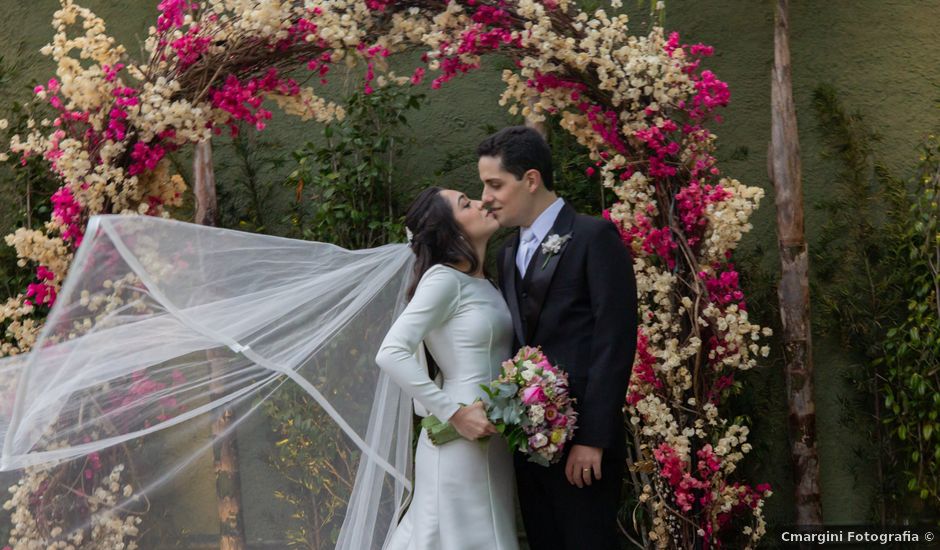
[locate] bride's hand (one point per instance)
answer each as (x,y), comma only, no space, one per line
(471,422)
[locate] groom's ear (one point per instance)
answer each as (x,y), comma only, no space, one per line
(532,179)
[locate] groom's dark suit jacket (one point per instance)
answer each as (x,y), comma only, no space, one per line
(582,309)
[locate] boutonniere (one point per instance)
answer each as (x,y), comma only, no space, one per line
(553,245)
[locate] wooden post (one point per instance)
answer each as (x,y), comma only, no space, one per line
(793,292)
(225,450)
(207,210)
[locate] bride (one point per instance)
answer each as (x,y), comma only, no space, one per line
(463,490)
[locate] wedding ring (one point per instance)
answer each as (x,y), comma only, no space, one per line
(585,469)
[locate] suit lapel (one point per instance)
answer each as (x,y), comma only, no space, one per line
(509,285)
(538,280)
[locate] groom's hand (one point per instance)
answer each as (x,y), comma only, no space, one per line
(471,422)
(583,463)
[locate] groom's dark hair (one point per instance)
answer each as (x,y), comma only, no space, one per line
(519,150)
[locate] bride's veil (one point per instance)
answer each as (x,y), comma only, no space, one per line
(168,336)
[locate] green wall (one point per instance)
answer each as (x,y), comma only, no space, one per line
(880,55)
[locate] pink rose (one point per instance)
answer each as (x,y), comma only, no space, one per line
(559,420)
(532,395)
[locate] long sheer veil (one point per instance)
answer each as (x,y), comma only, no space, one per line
(167,336)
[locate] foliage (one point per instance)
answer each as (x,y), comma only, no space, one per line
(876,287)
(347,191)
(246,200)
(851,255)
(315,460)
(583,188)
(911,350)
(31,185)
(28,186)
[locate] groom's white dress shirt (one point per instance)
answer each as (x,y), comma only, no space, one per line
(532,236)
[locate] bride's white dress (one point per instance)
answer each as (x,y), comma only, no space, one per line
(463,490)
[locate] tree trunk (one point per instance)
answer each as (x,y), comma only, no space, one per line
(793,293)
(225,450)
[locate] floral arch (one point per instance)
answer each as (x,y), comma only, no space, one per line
(640,104)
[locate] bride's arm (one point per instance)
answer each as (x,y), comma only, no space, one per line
(435,301)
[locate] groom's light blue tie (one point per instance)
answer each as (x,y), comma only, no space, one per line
(526,248)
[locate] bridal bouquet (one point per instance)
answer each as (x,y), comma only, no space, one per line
(529,405)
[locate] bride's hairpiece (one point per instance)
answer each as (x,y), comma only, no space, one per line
(410,236)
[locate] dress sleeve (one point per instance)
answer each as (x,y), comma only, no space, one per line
(434,302)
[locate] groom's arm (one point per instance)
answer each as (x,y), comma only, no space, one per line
(612,290)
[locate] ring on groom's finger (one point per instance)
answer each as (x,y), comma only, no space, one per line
(585,469)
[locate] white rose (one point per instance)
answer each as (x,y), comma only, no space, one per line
(538,440)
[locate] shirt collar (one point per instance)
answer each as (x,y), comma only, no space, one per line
(543,224)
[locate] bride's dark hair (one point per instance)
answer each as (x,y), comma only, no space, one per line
(436,236)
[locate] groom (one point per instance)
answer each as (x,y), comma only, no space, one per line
(569,283)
